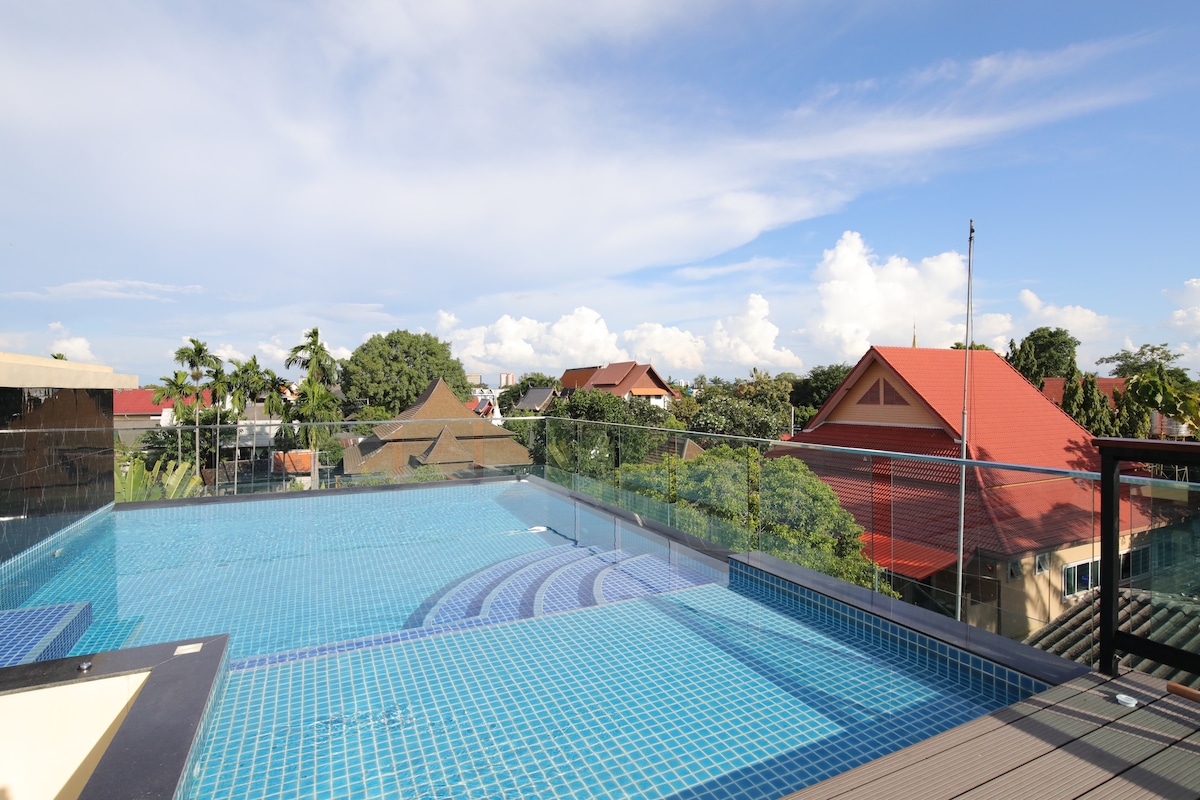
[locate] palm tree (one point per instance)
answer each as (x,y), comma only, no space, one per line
(248,382)
(174,388)
(196,357)
(314,357)
(314,403)
(218,388)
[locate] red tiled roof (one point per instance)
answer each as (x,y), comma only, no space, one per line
(577,378)
(906,558)
(1052,388)
(141,401)
(1009,421)
(915,504)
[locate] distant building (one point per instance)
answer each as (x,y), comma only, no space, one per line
(135,412)
(537,399)
(507,379)
(1029,538)
(438,431)
(625,379)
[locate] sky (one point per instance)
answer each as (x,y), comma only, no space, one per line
(708,186)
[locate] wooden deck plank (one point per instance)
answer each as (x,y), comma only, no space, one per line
(1073,739)
(933,769)
(1173,774)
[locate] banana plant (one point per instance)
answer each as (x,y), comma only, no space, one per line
(173,482)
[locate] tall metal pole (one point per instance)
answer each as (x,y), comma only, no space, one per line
(962,468)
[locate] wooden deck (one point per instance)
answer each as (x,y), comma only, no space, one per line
(1073,741)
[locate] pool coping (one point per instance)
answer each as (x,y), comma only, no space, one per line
(150,755)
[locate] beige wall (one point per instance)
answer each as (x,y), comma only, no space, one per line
(27,372)
(911,415)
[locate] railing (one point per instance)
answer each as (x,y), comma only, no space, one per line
(1030,554)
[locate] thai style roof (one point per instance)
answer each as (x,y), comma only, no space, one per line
(623,379)
(438,429)
(538,398)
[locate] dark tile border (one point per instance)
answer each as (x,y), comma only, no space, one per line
(1037,664)
(151,754)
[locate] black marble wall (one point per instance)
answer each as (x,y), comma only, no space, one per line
(56,461)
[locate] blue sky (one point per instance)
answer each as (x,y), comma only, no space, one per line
(708,186)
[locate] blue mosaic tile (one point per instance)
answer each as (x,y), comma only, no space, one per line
(41,633)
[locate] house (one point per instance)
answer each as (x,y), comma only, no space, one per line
(537,399)
(625,379)
(135,412)
(1029,539)
(437,431)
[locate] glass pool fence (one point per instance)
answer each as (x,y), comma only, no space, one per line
(1007,548)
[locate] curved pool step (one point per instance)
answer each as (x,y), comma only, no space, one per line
(549,582)
(453,598)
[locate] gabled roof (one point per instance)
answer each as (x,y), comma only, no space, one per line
(141,401)
(914,503)
(578,377)
(437,429)
(538,398)
(621,379)
(1008,420)
(445,450)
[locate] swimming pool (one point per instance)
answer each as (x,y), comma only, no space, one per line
(496,640)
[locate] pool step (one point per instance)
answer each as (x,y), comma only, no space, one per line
(43,633)
(550,581)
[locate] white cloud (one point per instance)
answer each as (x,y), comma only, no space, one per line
(1083,323)
(757,264)
(580,338)
(228,352)
(108,290)
(274,350)
(748,339)
(1187,316)
(668,347)
(864,302)
(75,348)
(737,342)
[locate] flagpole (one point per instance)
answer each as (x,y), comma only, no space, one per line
(962,468)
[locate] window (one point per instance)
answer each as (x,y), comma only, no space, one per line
(871,398)
(1086,574)
(1041,563)
(891,397)
(882,393)
(1014,570)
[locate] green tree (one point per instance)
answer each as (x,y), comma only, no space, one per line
(393,370)
(511,395)
(974,346)
(1132,418)
(736,416)
(174,388)
(1147,358)
(196,358)
(1095,412)
(313,357)
(1044,353)
(1072,399)
(219,385)
(818,385)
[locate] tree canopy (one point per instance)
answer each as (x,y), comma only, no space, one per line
(1044,353)
(392,370)
(1148,358)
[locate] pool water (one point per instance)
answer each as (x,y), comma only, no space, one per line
(495,641)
